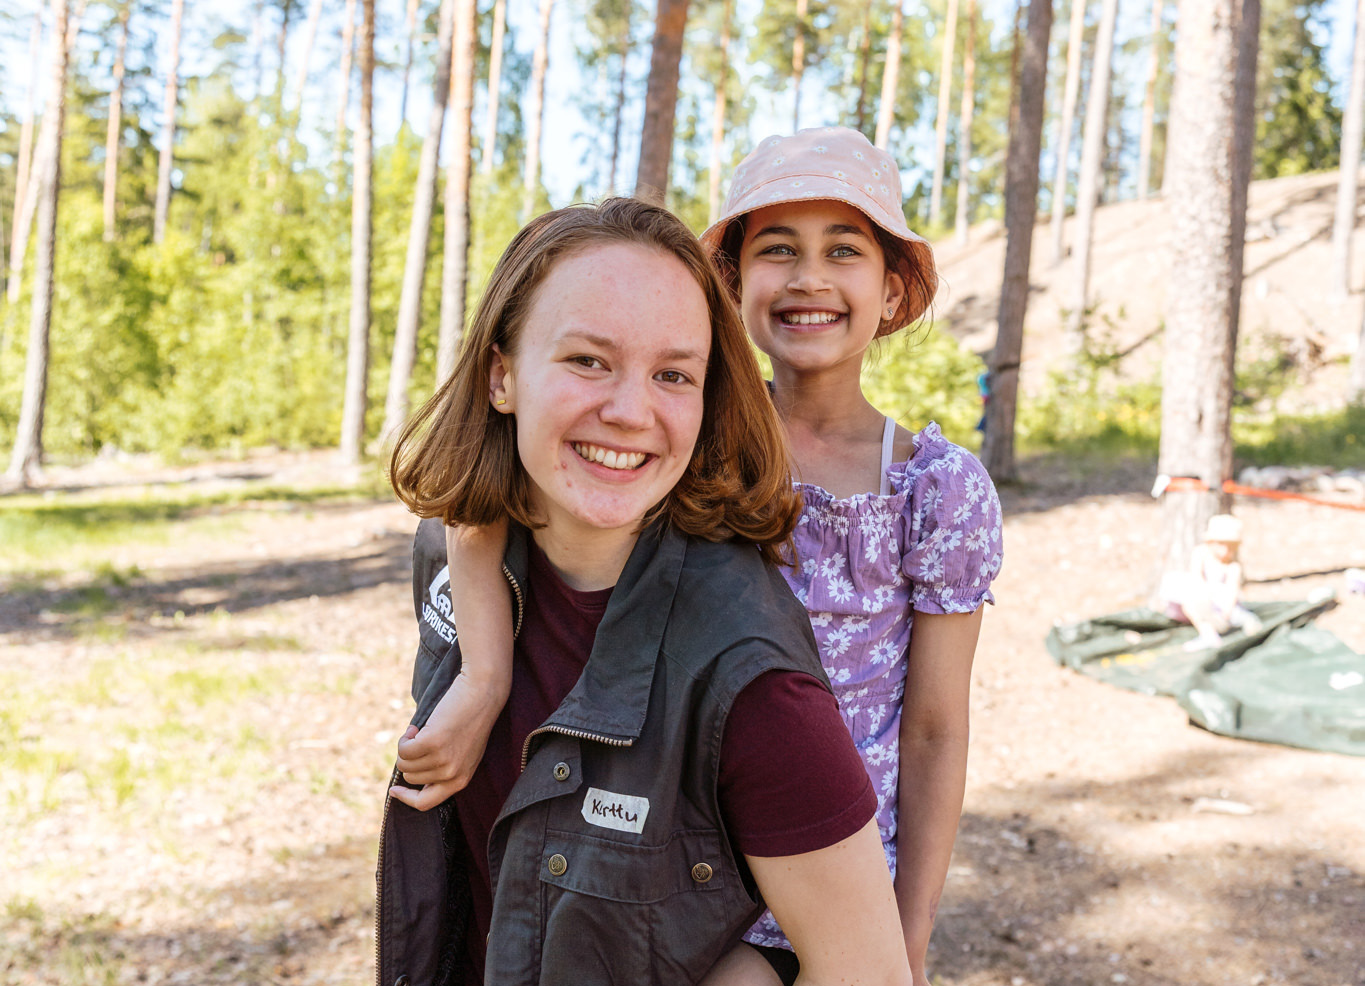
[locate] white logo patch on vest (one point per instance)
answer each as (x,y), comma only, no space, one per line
(623,812)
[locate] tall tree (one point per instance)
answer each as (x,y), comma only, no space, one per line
(661,98)
(28,441)
(718,119)
(115,126)
(945,91)
(410,32)
(1298,125)
(619,107)
(864,63)
(1021,211)
(1348,175)
(1207,161)
(172,99)
(490,124)
(455,261)
(310,35)
(1144,175)
(1066,125)
(21,215)
(535,112)
(362,211)
(1093,139)
(886,109)
(419,236)
(344,87)
(799,60)
(965,119)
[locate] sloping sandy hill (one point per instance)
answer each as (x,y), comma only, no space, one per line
(1286,302)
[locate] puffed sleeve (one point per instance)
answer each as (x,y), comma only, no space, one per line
(954,544)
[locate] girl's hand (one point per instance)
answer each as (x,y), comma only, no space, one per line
(443,754)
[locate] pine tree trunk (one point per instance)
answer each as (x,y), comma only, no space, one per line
(410,29)
(455,261)
(112,133)
(661,98)
(28,440)
(1203,159)
(945,92)
(358,343)
(1349,171)
(344,89)
(619,110)
(163,173)
(965,118)
(281,53)
(1092,161)
(1144,175)
(490,124)
(864,63)
(310,35)
(419,237)
(1021,212)
(886,110)
(718,119)
(535,112)
(798,60)
(22,215)
(1066,125)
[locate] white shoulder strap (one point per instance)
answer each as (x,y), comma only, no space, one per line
(888,450)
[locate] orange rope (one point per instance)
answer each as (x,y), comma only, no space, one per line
(1193,484)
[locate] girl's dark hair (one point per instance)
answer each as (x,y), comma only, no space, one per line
(457,457)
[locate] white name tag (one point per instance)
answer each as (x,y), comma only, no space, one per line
(623,812)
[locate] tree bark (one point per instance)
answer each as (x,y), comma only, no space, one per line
(965,118)
(28,440)
(115,127)
(419,237)
(718,120)
(1204,161)
(410,29)
(1066,124)
(619,110)
(798,60)
(163,171)
(661,98)
(490,124)
(455,260)
(1348,176)
(358,343)
(945,91)
(1088,182)
(886,110)
(1021,210)
(1144,175)
(535,112)
(22,215)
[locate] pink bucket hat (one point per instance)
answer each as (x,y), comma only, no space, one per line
(827,163)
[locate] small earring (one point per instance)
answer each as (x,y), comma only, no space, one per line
(890,312)
(500,401)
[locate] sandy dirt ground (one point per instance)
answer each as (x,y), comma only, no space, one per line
(1085,853)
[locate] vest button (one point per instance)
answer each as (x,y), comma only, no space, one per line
(561,771)
(702,872)
(557,865)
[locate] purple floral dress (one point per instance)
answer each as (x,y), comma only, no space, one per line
(930,543)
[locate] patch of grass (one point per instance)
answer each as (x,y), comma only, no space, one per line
(1331,438)
(76,950)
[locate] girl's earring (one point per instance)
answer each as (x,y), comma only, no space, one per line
(501,401)
(890,312)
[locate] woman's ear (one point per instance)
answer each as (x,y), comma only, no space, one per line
(501,383)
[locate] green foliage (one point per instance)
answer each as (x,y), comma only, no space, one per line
(919,377)
(1298,127)
(1328,438)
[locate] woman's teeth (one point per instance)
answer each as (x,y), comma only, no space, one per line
(610,458)
(810,318)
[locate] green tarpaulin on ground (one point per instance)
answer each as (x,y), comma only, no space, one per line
(1290,683)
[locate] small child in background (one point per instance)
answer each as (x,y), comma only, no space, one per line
(1208,595)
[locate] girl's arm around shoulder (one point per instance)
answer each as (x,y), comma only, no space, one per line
(444,753)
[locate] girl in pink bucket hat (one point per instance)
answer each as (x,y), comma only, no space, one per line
(900,536)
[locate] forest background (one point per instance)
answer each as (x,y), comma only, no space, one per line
(228,329)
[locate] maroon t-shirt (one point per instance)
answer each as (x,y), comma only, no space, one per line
(782,718)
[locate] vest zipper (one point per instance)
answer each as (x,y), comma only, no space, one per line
(566,731)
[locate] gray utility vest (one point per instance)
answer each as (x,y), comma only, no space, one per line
(610,861)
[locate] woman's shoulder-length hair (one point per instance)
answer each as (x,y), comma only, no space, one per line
(456,458)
